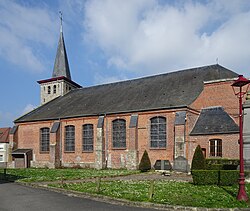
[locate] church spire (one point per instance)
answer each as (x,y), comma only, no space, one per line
(61,66)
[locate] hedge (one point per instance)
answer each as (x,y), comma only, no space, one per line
(228,177)
(205,177)
(217,177)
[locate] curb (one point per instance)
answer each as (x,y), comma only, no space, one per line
(122,202)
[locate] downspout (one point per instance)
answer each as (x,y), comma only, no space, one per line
(106,140)
(60,143)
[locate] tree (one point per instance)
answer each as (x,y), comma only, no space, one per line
(198,162)
(145,164)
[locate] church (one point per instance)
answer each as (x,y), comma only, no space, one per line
(111,125)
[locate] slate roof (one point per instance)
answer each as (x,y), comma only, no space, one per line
(4,135)
(61,66)
(170,90)
(214,120)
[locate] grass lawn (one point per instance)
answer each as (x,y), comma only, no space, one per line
(166,192)
(39,174)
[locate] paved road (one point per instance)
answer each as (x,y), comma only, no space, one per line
(15,197)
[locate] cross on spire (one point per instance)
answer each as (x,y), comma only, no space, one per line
(61,19)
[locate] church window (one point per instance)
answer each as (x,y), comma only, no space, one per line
(49,90)
(119,133)
(44,139)
(215,147)
(158,132)
(69,138)
(87,137)
(54,89)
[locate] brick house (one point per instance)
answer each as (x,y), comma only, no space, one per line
(111,125)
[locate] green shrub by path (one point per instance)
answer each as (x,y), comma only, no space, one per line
(228,177)
(205,177)
(216,177)
(145,164)
(198,161)
(41,174)
(165,192)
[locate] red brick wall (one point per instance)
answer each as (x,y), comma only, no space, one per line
(214,94)
(218,94)
(230,146)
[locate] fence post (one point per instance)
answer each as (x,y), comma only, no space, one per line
(98,184)
(151,190)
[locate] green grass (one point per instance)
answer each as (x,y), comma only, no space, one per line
(40,175)
(166,192)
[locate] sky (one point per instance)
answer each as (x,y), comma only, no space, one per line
(114,40)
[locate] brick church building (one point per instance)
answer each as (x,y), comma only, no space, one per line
(111,125)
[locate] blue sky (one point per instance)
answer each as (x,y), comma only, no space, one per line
(113,40)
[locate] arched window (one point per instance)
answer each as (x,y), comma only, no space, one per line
(49,91)
(87,137)
(54,89)
(69,138)
(44,139)
(119,133)
(158,132)
(215,146)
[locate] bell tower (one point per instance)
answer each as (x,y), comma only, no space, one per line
(60,83)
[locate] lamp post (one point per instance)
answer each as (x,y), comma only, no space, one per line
(237,88)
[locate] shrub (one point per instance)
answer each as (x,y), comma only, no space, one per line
(198,162)
(145,164)
(214,167)
(205,177)
(228,177)
(223,161)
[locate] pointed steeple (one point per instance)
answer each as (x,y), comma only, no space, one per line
(61,66)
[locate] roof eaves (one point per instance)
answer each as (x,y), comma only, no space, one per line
(98,114)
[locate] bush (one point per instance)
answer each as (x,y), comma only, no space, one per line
(145,164)
(198,162)
(205,177)
(228,177)
(223,161)
(221,164)
(214,167)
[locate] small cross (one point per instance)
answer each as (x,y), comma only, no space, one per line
(60,12)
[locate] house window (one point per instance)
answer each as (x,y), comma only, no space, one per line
(69,138)
(158,132)
(87,137)
(49,91)
(54,89)
(44,139)
(119,133)
(215,147)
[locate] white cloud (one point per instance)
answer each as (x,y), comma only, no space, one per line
(149,37)
(28,108)
(101,79)
(22,30)
(6,119)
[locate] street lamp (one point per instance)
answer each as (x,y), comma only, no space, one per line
(237,88)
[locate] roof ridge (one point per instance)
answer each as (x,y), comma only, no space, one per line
(156,75)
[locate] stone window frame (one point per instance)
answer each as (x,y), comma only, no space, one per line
(69,139)
(88,138)
(44,140)
(119,128)
(160,138)
(215,149)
